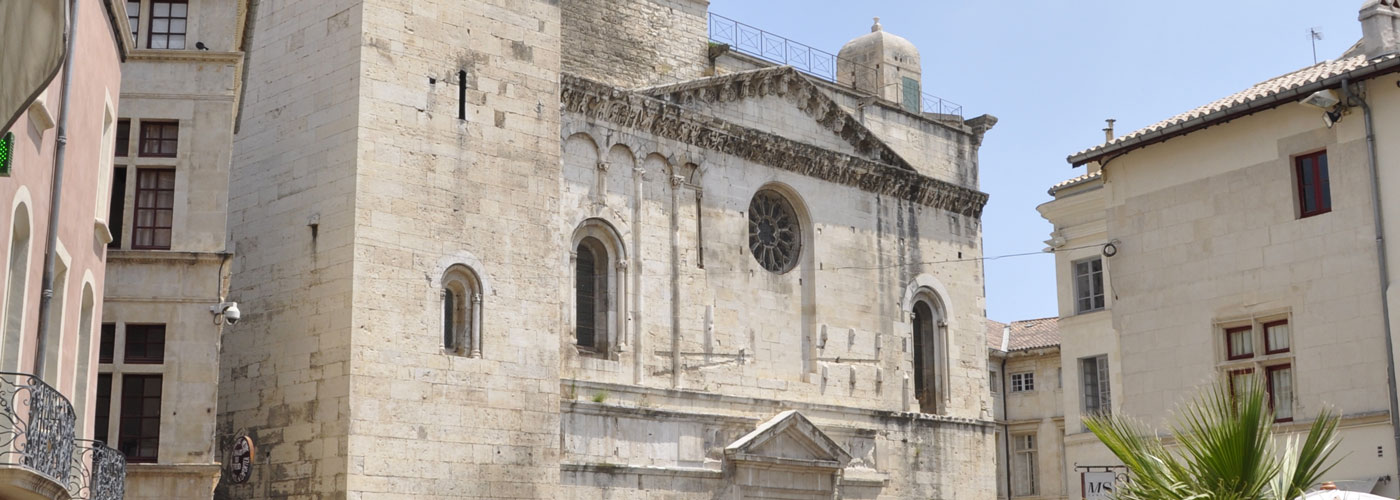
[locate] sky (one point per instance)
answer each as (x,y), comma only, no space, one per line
(1052,71)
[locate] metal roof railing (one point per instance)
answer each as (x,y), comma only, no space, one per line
(756,42)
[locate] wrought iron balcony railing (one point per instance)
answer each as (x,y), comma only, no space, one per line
(813,61)
(36,426)
(98,472)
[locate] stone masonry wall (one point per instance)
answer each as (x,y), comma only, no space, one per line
(635,43)
(285,368)
(435,190)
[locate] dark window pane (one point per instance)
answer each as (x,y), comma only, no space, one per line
(104,350)
(140,419)
(102,414)
(584,297)
(116,208)
(123,136)
(145,344)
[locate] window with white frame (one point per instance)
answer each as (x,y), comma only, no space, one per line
(1088,285)
(1260,347)
(1097,397)
(1023,466)
(1023,382)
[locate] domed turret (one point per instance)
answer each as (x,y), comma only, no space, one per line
(882,64)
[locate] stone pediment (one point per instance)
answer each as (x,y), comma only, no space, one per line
(790,87)
(598,102)
(788,439)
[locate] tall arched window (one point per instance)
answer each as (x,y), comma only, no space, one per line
(929,362)
(591,295)
(17,275)
(461,311)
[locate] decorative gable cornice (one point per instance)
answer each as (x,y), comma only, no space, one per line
(819,449)
(601,102)
(790,84)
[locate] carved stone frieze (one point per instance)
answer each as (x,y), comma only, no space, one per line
(603,103)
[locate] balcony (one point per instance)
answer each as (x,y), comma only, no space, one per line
(40,457)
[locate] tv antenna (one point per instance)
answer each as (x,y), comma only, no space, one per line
(1315,34)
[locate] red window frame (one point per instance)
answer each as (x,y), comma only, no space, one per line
(156,136)
(1268,348)
(123,146)
(170,33)
(155,209)
(1229,351)
(145,345)
(138,436)
(1269,382)
(1314,166)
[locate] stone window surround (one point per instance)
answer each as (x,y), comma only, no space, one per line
(924,287)
(615,337)
(118,370)
(1261,362)
(461,282)
(462,261)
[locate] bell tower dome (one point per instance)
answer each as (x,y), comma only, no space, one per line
(883,64)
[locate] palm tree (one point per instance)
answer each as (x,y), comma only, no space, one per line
(1224,450)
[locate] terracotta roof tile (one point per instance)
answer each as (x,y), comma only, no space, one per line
(1025,335)
(1243,98)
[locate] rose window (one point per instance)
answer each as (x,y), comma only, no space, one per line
(775,237)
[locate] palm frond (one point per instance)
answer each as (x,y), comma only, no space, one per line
(1224,450)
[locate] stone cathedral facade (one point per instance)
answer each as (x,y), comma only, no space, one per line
(545,249)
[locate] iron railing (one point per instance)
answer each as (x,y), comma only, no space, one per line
(756,42)
(98,472)
(36,426)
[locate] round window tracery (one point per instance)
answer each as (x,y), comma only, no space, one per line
(775,235)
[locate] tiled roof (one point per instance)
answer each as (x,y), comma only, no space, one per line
(1247,99)
(1076,181)
(1025,335)
(994,329)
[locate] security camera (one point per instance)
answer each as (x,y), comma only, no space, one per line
(227,311)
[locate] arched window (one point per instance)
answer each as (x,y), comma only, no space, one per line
(929,362)
(461,312)
(17,273)
(600,288)
(591,295)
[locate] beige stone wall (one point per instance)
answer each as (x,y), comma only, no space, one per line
(635,43)
(433,190)
(284,373)
(1209,234)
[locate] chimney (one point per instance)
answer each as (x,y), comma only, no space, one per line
(1108,132)
(1380,27)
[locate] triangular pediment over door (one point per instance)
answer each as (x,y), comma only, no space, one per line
(786,457)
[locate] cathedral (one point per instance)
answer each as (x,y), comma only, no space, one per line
(583,249)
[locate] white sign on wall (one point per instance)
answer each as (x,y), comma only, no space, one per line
(1097,485)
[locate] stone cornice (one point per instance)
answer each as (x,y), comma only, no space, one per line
(788,83)
(186,55)
(604,103)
